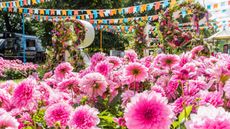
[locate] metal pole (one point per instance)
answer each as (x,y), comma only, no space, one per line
(23,38)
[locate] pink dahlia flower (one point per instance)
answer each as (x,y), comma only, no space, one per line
(103,68)
(7,121)
(5,101)
(126,96)
(169,60)
(93,84)
(97,57)
(209,118)
(84,117)
(58,114)
(69,84)
(148,111)
(9,86)
(24,94)
(130,55)
(227,89)
(116,61)
(136,72)
(62,69)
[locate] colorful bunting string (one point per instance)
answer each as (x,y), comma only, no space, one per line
(218,5)
(91,12)
(20,3)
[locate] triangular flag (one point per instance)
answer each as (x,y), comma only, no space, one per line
(157,5)
(64,12)
(52,12)
(41,12)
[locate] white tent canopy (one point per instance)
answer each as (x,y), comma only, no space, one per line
(223,34)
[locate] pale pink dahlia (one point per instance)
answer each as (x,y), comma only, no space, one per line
(69,84)
(136,72)
(23,95)
(116,61)
(8,122)
(84,117)
(130,55)
(93,84)
(62,69)
(148,111)
(126,96)
(58,114)
(209,118)
(227,89)
(5,101)
(169,60)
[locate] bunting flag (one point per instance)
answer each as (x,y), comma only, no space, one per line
(114,29)
(221,4)
(91,12)
(93,21)
(20,3)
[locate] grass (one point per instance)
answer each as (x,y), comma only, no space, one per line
(16,80)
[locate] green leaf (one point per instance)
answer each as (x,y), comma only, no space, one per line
(109,119)
(185,114)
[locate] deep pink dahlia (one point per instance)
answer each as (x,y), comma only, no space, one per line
(23,95)
(93,84)
(209,118)
(97,57)
(103,68)
(58,114)
(136,72)
(84,117)
(62,69)
(148,111)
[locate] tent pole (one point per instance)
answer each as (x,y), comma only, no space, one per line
(23,38)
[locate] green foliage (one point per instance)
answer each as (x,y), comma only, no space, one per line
(179,124)
(38,118)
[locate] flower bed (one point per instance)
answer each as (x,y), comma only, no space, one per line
(185,91)
(15,69)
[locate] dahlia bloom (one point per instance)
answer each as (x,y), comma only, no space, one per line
(5,100)
(126,96)
(84,117)
(62,69)
(136,72)
(93,84)
(9,86)
(213,98)
(148,111)
(209,118)
(116,61)
(69,84)
(227,89)
(103,68)
(196,50)
(58,114)
(97,57)
(169,60)
(23,95)
(130,55)
(7,121)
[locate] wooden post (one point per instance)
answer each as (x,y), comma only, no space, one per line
(101,41)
